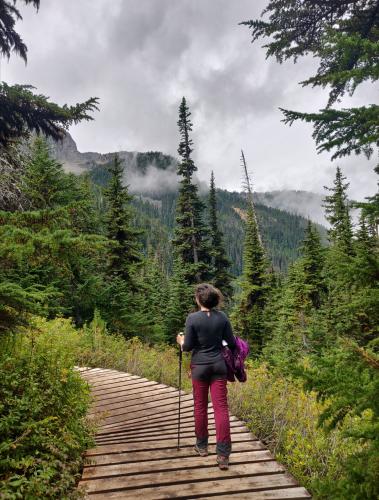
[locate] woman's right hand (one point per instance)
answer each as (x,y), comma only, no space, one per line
(180,338)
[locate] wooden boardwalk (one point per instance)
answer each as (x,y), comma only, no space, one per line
(136,452)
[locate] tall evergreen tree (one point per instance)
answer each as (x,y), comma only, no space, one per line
(125,253)
(180,301)
(313,263)
(295,324)
(154,299)
(370,211)
(45,183)
(248,313)
(190,241)
(337,213)
(220,263)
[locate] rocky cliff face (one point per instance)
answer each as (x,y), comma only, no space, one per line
(73,160)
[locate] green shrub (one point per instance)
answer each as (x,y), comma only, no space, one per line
(285,417)
(101,349)
(43,403)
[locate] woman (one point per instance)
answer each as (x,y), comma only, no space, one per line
(204,332)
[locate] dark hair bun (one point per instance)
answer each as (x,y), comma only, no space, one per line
(208,295)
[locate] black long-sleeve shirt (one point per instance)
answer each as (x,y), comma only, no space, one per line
(204,335)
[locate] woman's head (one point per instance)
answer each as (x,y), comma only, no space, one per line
(207,295)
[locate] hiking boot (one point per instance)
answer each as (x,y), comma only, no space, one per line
(203,452)
(223,462)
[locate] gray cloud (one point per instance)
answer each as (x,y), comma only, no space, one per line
(141,56)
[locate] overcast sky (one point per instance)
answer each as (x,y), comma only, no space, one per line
(141,56)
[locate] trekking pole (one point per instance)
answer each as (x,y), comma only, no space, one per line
(180,389)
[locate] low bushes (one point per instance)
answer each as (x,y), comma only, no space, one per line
(285,418)
(158,362)
(43,403)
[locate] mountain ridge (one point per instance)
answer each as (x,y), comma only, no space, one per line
(153,171)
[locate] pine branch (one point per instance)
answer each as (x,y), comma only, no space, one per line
(10,40)
(368,357)
(354,130)
(21,110)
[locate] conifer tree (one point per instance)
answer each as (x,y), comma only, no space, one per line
(366,263)
(190,242)
(87,217)
(180,301)
(221,277)
(248,314)
(370,211)
(255,280)
(313,262)
(297,306)
(154,298)
(45,183)
(125,253)
(337,213)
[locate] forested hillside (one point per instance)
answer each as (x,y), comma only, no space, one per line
(155,204)
(152,179)
(282,232)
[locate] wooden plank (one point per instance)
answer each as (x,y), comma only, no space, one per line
(99,375)
(128,395)
(153,407)
(188,490)
(143,434)
(111,380)
(162,454)
(173,429)
(151,424)
(98,370)
(100,378)
(146,413)
(159,443)
(135,403)
(151,421)
(117,387)
(146,402)
(235,432)
(150,390)
(186,416)
(279,494)
(98,472)
(119,381)
(139,394)
(113,420)
(144,479)
(164,426)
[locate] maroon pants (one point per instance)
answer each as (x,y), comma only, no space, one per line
(221,413)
